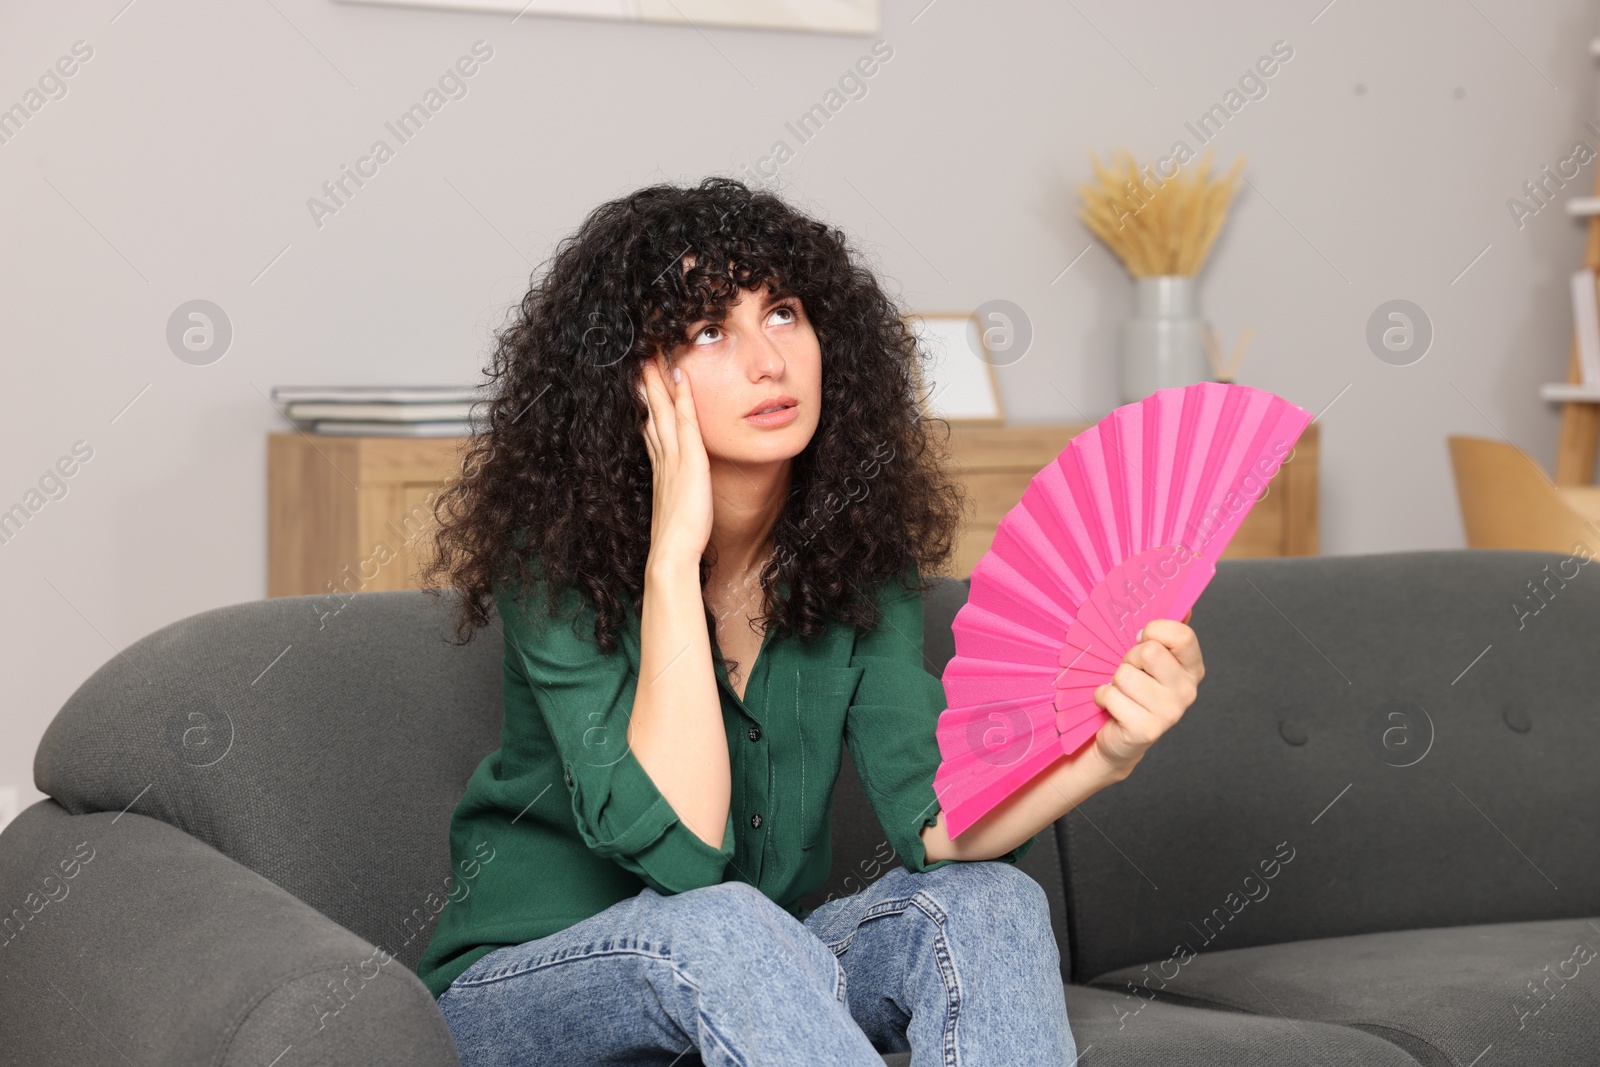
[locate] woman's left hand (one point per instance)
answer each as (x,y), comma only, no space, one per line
(1152,687)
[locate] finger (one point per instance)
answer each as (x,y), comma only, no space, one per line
(666,428)
(1165,703)
(1139,726)
(1157,660)
(686,411)
(660,406)
(652,439)
(686,424)
(1181,639)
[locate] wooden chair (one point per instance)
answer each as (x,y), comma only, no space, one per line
(1507,501)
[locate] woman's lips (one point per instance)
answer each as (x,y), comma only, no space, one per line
(781,417)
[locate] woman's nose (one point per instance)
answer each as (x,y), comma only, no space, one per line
(764,353)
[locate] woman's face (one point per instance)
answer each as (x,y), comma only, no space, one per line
(763,353)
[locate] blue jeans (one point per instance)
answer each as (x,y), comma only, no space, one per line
(957,964)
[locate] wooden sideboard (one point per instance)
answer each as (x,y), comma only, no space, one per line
(352,514)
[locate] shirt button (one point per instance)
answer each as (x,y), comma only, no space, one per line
(569,777)
(755,821)
(755,733)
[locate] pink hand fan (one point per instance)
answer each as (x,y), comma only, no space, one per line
(1124,526)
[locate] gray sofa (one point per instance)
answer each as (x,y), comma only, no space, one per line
(1371,840)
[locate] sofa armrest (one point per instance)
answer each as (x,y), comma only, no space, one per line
(124,939)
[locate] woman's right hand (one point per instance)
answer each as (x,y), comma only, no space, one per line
(680,520)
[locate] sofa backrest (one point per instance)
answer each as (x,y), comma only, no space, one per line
(1381,742)
(322,747)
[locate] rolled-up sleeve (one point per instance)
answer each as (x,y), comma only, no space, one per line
(585,697)
(891,727)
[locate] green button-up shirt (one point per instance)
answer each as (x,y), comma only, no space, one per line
(562,821)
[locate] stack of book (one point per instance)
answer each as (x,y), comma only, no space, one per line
(380,410)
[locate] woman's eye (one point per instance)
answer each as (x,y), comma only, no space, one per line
(711,333)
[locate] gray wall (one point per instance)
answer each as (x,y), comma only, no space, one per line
(179,162)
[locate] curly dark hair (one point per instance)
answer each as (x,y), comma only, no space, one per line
(559,474)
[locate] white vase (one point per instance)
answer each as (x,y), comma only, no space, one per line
(1162,345)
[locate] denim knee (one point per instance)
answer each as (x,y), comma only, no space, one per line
(987,892)
(732,922)
(738,905)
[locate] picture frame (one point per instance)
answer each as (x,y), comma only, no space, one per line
(856,17)
(956,381)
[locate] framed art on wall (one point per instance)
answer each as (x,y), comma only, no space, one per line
(956,380)
(821,16)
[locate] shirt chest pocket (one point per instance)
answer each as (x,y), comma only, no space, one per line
(822,700)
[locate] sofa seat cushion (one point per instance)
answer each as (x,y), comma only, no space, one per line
(1526,992)
(1114,1029)
(1118,1029)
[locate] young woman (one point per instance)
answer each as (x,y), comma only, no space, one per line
(703,503)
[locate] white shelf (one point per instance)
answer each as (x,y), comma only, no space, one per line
(1569,391)
(1583,205)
